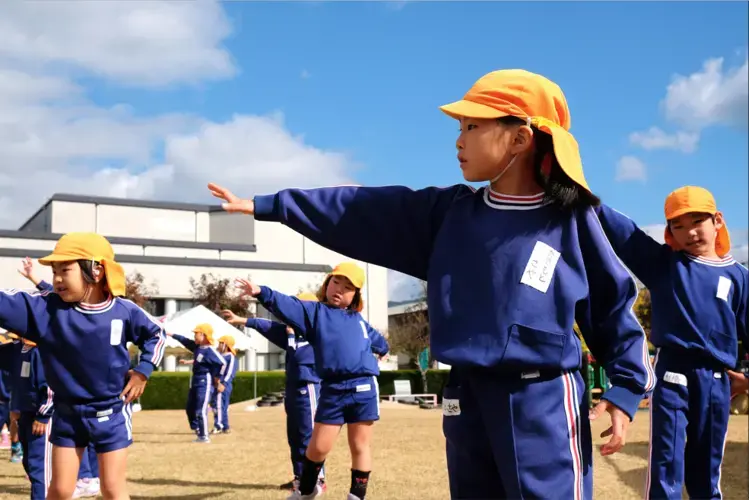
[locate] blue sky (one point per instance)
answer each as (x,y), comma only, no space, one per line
(267,95)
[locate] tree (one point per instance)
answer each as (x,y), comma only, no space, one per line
(137,290)
(216,294)
(410,334)
(643,311)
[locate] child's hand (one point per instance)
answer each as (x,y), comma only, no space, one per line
(233,202)
(220,387)
(739,383)
(136,384)
(618,429)
(232,318)
(247,287)
(27,270)
(38,428)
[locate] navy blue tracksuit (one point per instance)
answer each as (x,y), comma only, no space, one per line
(699,313)
(302,386)
(207,365)
(220,400)
(33,398)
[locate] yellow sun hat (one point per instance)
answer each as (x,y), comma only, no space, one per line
(89,246)
(520,93)
(228,341)
(206,329)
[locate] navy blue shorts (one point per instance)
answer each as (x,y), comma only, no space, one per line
(349,402)
(75,426)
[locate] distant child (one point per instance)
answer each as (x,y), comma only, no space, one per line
(207,371)
(88,472)
(33,399)
(699,297)
(349,394)
(220,400)
(82,330)
(302,385)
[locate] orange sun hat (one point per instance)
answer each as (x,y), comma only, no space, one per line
(520,93)
(694,199)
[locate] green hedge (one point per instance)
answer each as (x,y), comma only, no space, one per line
(168,390)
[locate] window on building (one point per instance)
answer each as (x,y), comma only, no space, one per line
(183,305)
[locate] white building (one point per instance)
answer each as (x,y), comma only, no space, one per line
(169,243)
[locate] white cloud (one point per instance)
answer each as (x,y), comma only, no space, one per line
(712,96)
(304,75)
(137,43)
(655,138)
(53,138)
(630,168)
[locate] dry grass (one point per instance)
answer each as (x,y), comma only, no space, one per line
(408,453)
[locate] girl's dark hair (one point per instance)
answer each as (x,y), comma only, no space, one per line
(87,270)
(558,188)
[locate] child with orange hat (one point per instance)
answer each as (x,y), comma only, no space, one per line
(88,471)
(511,267)
(699,297)
(82,329)
(343,344)
(220,400)
(208,370)
(302,389)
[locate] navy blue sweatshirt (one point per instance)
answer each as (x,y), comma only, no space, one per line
(31,393)
(698,305)
(508,275)
(83,347)
(300,356)
(343,342)
(206,360)
(231,368)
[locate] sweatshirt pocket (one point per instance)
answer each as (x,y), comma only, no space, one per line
(533,347)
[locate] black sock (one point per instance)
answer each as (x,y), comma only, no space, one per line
(310,473)
(359,481)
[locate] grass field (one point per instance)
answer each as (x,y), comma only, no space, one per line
(408,453)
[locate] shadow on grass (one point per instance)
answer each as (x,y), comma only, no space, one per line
(204,484)
(735,453)
(201,496)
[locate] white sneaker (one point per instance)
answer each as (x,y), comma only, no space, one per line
(296,495)
(87,488)
(204,439)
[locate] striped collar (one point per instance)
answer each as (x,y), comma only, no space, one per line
(722,262)
(502,201)
(95,308)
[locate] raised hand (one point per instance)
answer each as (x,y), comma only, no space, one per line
(233,318)
(247,287)
(233,203)
(27,270)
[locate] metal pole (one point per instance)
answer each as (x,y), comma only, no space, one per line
(255,390)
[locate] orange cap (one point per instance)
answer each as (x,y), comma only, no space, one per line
(350,270)
(228,341)
(694,199)
(308,296)
(206,329)
(520,93)
(89,246)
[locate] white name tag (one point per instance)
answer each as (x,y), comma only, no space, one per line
(535,374)
(724,287)
(540,268)
(25,369)
(717,375)
(451,407)
(364,388)
(199,358)
(115,332)
(104,413)
(103,419)
(675,378)
(292,342)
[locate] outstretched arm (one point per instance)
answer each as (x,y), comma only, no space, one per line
(188,344)
(609,326)
(643,255)
(364,223)
(299,314)
(25,313)
(271,330)
(380,344)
